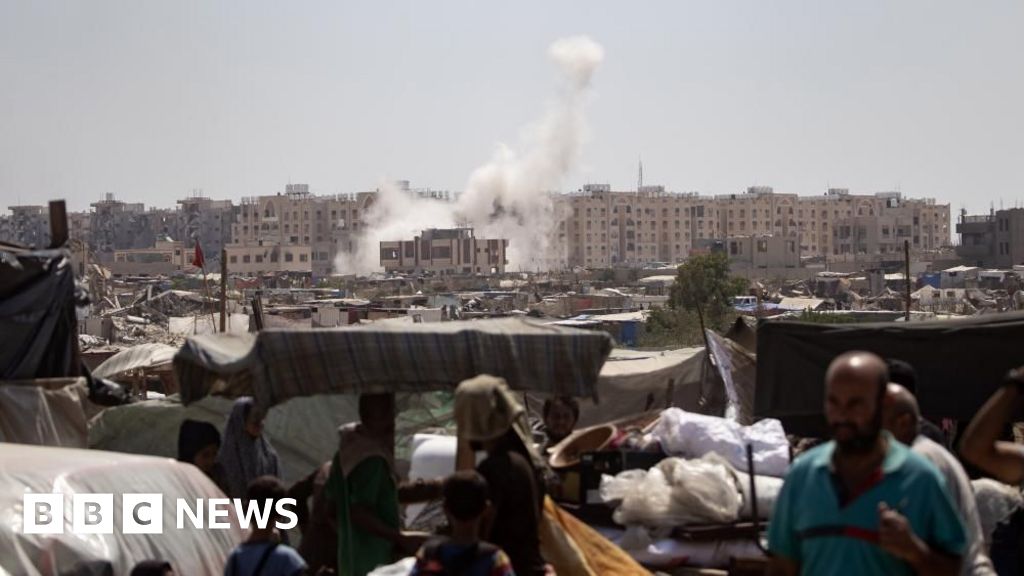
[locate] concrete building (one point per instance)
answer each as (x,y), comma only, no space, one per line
(763,251)
(208,221)
(116,225)
(27,225)
(606,228)
(995,240)
(165,258)
(299,223)
(445,251)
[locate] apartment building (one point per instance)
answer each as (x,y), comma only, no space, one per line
(445,251)
(763,251)
(207,221)
(27,225)
(164,258)
(309,228)
(606,228)
(994,240)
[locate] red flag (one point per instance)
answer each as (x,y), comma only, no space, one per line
(198,261)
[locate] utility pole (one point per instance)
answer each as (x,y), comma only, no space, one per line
(223,290)
(906,273)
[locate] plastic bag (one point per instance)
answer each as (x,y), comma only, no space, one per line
(675,492)
(692,435)
(996,502)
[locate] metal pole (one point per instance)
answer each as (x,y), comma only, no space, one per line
(906,273)
(223,290)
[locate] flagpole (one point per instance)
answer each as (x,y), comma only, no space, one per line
(201,260)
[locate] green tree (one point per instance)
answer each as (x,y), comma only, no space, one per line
(704,285)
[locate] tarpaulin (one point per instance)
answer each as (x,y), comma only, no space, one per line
(275,365)
(959,363)
(37,314)
(42,469)
(48,412)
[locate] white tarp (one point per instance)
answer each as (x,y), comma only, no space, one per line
(47,412)
(43,469)
(633,382)
(147,356)
(694,435)
(207,324)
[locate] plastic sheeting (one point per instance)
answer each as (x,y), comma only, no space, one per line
(302,430)
(676,492)
(959,363)
(146,356)
(48,412)
(693,435)
(37,314)
(275,365)
(38,469)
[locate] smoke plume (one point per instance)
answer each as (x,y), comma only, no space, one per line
(510,196)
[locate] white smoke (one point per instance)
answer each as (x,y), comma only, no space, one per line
(396,214)
(510,196)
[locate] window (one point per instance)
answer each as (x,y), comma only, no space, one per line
(303,257)
(288,257)
(234,259)
(762,245)
(245,259)
(259,258)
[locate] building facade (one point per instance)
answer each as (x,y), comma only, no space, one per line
(164,258)
(995,240)
(605,228)
(763,251)
(445,251)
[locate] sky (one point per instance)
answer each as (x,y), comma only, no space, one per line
(152,100)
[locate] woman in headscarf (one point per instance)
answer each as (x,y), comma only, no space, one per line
(198,443)
(491,419)
(246,454)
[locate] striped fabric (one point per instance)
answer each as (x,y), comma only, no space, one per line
(276,365)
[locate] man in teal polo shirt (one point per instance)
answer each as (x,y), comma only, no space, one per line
(863,503)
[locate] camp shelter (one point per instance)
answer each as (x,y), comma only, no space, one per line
(275,365)
(44,411)
(44,469)
(959,363)
(303,431)
(37,314)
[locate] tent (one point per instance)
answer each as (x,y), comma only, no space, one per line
(43,469)
(50,412)
(959,363)
(37,314)
(275,365)
(144,356)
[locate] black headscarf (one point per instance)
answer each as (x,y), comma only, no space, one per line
(193,437)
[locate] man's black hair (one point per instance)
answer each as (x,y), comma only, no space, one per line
(902,373)
(465,495)
(567,401)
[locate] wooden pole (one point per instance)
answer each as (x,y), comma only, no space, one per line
(906,273)
(58,224)
(223,290)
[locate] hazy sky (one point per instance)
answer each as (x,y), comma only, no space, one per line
(149,100)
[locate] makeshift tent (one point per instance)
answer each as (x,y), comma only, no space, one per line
(303,431)
(37,314)
(633,382)
(144,356)
(50,412)
(275,365)
(959,363)
(43,469)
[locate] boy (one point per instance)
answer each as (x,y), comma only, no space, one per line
(463,554)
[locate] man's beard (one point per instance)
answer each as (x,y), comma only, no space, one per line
(861,441)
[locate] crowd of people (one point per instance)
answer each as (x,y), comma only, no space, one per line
(883,496)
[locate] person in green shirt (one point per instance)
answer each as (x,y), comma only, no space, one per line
(364,491)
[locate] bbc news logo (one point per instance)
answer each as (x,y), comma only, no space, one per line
(143,513)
